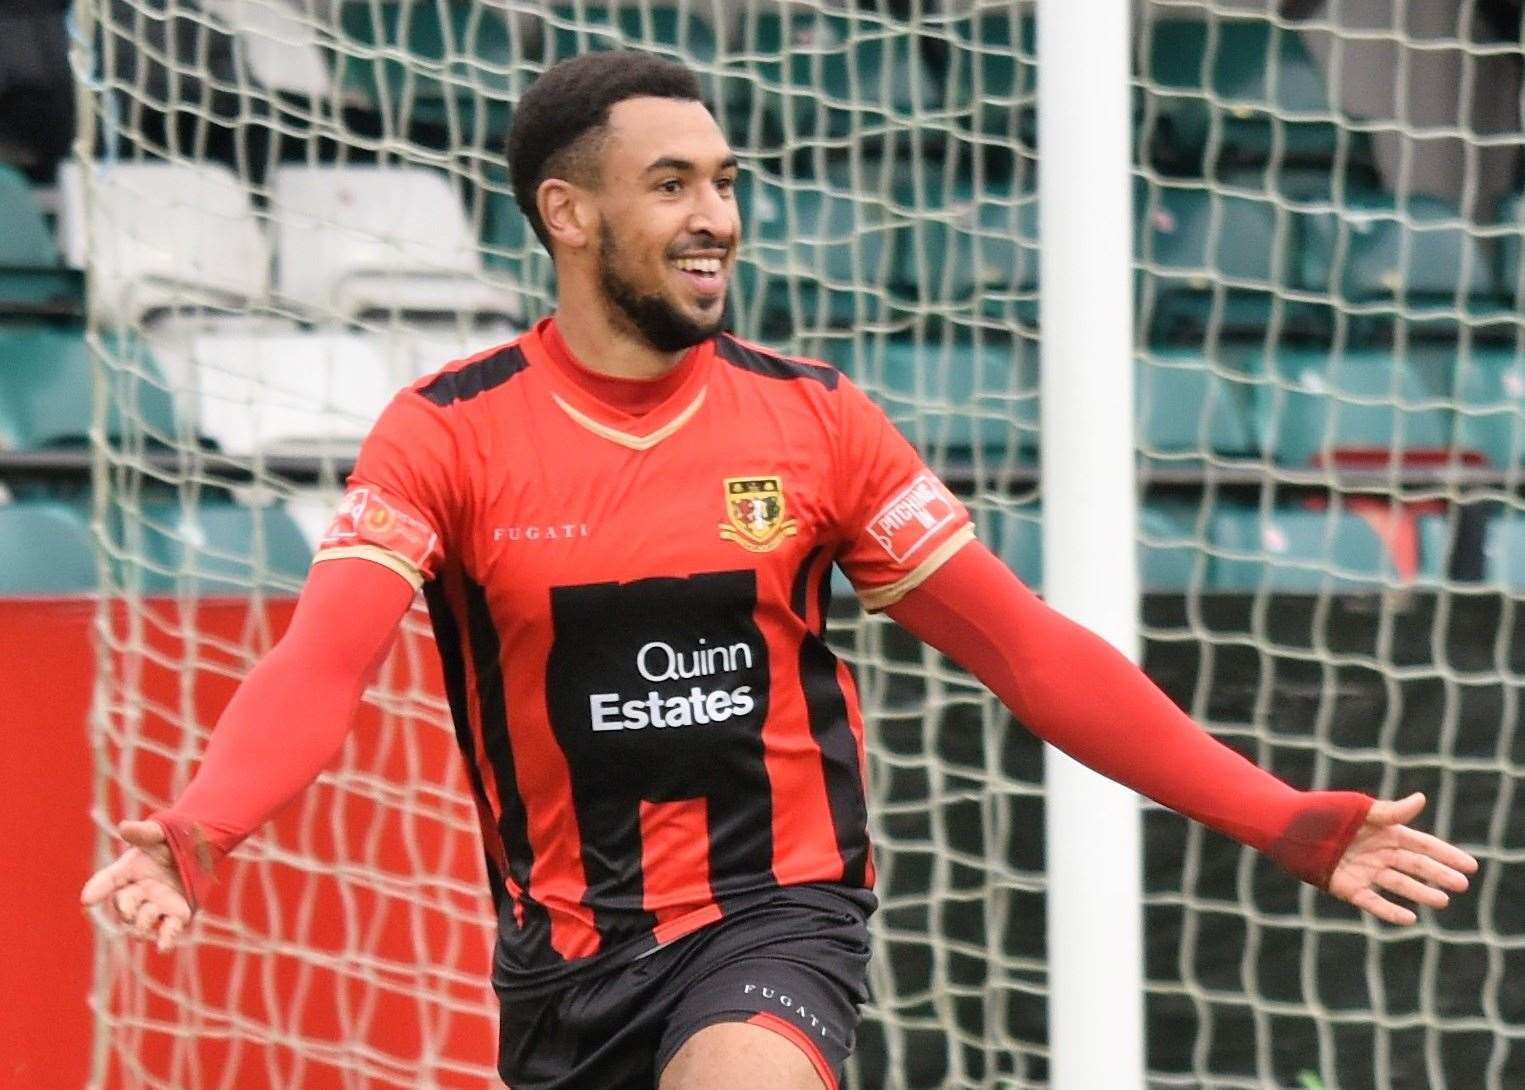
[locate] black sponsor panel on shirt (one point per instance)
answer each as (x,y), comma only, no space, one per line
(657,692)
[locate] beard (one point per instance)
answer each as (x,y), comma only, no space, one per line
(651,315)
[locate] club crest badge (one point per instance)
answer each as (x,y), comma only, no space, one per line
(755,514)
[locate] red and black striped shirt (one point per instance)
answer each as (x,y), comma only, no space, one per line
(630,614)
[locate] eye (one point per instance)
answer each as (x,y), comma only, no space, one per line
(670,185)
(725,185)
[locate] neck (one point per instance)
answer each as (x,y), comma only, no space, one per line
(604,342)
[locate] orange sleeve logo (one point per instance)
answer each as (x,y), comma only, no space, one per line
(366,516)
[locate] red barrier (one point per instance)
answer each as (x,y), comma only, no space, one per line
(323,976)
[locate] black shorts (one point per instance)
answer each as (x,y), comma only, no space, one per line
(795,964)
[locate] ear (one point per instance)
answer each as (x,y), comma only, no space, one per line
(566,212)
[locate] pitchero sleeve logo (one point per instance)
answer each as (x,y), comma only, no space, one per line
(661,663)
(913,517)
(754,508)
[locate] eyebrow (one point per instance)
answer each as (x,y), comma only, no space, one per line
(667,162)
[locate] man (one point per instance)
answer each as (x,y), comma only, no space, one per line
(624,524)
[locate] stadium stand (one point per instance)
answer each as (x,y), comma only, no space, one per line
(166,238)
(365,240)
(46,549)
(33,281)
(210,547)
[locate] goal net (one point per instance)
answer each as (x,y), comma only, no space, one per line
(288,208)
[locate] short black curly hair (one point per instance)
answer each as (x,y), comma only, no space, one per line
(560,121)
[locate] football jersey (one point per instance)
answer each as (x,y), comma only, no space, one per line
(629,610)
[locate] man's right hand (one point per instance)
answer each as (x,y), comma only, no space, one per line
(143,886)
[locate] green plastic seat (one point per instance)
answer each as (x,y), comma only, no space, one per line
(1504,550)
(46,378)
(45,548)
(1234,92)
(1190,404)
(212,548)
(32,277)
(1311,402)
(1490,403)
(1296,551)
(958,400)
(463,64)
(993,71)
(971,245)
(810,257)
(1209,259)
(819,75)
(1420,255)
(1171,554)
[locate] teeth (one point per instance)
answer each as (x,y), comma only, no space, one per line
(699,264)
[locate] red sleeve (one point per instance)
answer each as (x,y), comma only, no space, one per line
(401,496)
(898,522)
(1073,689)
(289,717)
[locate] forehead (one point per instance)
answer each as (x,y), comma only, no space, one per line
(642,130)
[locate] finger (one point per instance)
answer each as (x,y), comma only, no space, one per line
(146,919)
(1443,851)
(1372,902)
(127,902)
(141,834)
(169,932)
(104,882)
(1431,870)
(1397,812)
(1395,881)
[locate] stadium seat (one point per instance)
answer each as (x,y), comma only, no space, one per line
(464,65)
(1295,550)
(301,393)
(210,548)
(1511,276)
(1504,550)
(281,44)
(1241,90)
(1419,255)
(33,280)
(811,257)
(971,245)
(358,240)
(827,76)
(1192,404)
(46,379)
(164,237)
(1208,259)
(1490,402)
(676,31)
(45,548)
(1312,402)
(959,400)
(1172,556)
(993,70)
(1015,534)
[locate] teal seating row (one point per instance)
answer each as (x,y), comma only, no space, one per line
(1298,406)
(45,549)
(33,280)
(46,389)
(1234,91)
(210,548)
(1241,549)
(1235,262)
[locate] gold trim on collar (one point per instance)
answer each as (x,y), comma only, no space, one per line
(625,439)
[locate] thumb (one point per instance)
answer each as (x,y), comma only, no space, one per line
(1398,812)
(142,834)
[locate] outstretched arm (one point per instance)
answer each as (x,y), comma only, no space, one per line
(283,725)
(1073,689)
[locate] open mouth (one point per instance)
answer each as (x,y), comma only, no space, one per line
(705,274)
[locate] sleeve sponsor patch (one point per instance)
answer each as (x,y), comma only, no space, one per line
(913,517)
(367,517)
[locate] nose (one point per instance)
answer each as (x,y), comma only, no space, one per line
(714,215)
